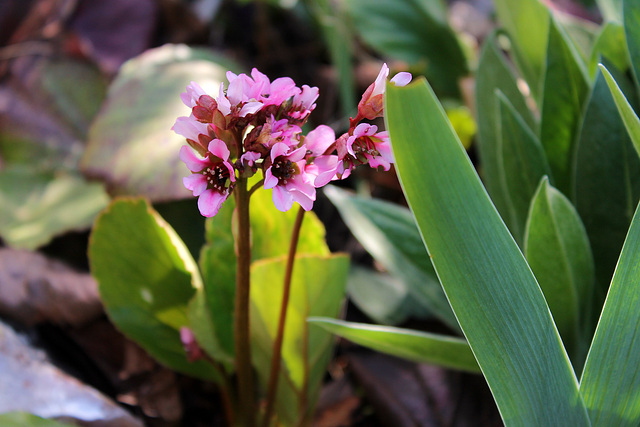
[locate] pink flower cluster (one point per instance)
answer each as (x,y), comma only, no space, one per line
(256,124)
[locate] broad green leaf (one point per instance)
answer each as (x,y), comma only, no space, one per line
(389,233)
(417,346)
(414,31)
(146,278)
(131,145)
(76,90)
(317,289)
(523,162)
(557,249)
(271,229)
(631,9)
(527,22)
(611,378)
(607,182)
(610,44)
(494,73)
(611,9)
(39,206)
(24,419)
(492,291)
(629,117)
(565,89)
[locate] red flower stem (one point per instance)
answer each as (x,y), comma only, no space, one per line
(276,358)
(241,310)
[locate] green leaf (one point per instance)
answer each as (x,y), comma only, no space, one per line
(76,89)
(39,206)
(611,9)
(492,291)
(382,297)
(339,39)
(557,249)
(527,22)
(414,31)
(317,289)
(23,419)
(610,44)
(629,117)
(607,182)
(131,145)
(611,376)
(631,9)
(523,162)
(146,278)
(409,344)
(211,313)
(494,74)
(271,229)
(565,90)
(389,233)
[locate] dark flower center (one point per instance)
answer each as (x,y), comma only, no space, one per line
(217,177)
(284,169)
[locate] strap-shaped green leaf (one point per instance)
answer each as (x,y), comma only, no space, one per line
(611,378)
(607,178)
(629,117)
(389,233)
(631,18)
(494,74)
(409,344)
(564,90)
(527,22)
(523,162)
(492,291)
(557,249)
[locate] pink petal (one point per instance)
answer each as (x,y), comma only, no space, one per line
(250,108)
(278,149)
(270,181)
(327,167)
(195,164)
(219,149)
(319,139)
(297,155)
(401,79)
(304,201)
(381,81)
(282,199)
(190,128)
(210,201)
(195,182)
(377,161)
(250,157)
(223,103)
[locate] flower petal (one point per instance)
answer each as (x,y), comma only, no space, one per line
(196,182)
(218,148)
(210,201)
(319,139)
(401,79)
(194,163)
(282,199)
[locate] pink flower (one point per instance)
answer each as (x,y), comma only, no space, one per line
(271,93)
(288,177)
(209,180)
(366,145)
(193,93)
(370,106)
(303,103)
(319,140)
